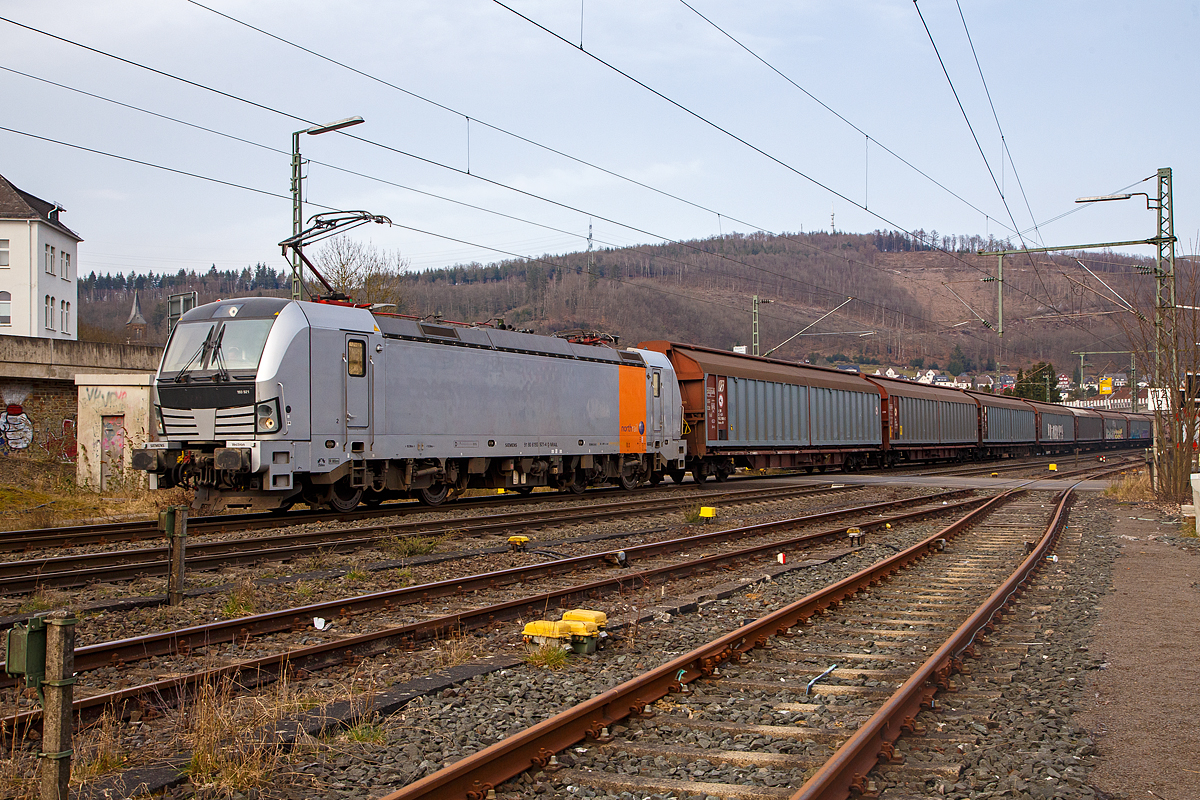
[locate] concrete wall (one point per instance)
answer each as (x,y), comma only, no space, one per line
(114,419)
(61,359)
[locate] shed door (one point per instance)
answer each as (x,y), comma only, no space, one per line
(112,447)
(358,383)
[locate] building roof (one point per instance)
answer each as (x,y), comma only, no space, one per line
(16,204)
(135,314)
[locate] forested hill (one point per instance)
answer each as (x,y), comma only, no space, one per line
(911,301)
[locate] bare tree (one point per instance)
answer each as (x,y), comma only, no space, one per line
(362,271)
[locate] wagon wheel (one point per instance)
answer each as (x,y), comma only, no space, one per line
(723,472)
(433,495)
(677,475)
(698,474)
(344,497)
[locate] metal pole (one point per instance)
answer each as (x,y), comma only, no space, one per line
(1164,320)
(297,216)
(754,325)
(56,712)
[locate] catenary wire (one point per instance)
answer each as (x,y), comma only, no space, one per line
(499,184)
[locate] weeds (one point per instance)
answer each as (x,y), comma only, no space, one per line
(366,733)
(692,515)
(220,729)
(99,752)
(404,576)
(548,656)
(455,650)
(408,546)
(357,573)
(1131,488)
(305,590)
(41,600)
(241,600)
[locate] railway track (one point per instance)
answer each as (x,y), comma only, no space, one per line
(805,703)
(462,602)
(18,577)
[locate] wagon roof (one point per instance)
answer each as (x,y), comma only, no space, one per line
(692,362)
(896,387)
(1000,401)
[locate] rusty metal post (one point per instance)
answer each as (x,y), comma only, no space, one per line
(177,539)
(58,692)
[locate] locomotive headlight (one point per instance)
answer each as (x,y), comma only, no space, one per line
(266,416)
(160,427)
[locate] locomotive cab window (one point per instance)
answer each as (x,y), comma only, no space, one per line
(656,384)
(356,358)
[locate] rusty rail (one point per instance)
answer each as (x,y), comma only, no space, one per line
(846,771)
(473,776)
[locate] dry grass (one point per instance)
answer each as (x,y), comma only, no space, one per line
(692,515)
(40,492)
(1131,489)
(18,767)
(408,546)
(43,600)
(98,750)
(548,656)
(457,649)
(230,736)
(241,600)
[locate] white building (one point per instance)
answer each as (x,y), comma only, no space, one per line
(39,263)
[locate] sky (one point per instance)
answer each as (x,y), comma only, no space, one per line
(859,123)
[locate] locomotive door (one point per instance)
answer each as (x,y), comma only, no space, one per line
(358,384)
(656,402)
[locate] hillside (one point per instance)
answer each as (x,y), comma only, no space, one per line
(701,292)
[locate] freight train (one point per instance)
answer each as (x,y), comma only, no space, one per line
(264,402)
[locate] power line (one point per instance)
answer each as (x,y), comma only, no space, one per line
(828,108)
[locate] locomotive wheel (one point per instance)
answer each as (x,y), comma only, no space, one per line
(433,495)
(677,475)
(628,482)
(577,484)
(655,478)
(344,497)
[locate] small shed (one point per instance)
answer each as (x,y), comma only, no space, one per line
(114,419)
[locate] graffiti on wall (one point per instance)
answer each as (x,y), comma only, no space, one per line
(18,432)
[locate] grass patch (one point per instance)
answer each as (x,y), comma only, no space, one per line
(408,546)
(98,751)
(1133,488)
(404,576)
(457,649)
(304,590)
(42,600)
(692,515)
(1188,528)
(548,656)
(357,573)
(241,600)
(367,733)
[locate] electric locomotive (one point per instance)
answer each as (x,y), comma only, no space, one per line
(265,402)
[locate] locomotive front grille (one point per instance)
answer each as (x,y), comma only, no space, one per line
(208,424)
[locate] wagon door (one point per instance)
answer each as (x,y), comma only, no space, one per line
(358,384)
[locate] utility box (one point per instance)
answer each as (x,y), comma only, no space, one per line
(25,652)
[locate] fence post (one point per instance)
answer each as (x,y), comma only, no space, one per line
(177,534)
(58,692)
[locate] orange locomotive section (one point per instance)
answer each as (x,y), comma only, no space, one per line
(632,398)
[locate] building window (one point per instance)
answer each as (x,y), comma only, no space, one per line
(67,266)
(49,321)
(67,319)
(3,252)
(49,259)
(5,308)
(62,316)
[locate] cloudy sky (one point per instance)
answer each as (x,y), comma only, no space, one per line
(465,102)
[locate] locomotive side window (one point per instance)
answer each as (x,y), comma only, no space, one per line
(356,358)
(656,383)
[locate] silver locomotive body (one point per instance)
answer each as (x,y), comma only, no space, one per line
(265,402)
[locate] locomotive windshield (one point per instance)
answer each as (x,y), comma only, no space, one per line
(216,345)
